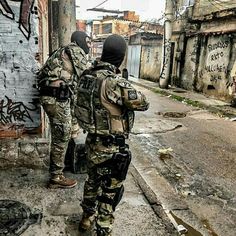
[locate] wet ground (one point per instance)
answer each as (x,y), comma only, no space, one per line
(195,178)
(182,177)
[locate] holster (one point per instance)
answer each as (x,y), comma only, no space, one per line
(108,140)
(61,93)
(76,157)
(118,165)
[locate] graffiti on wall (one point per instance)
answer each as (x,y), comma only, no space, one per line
(11,111)
(167,57)
(18,20)
(217,59)
(148,55)
(26,8)
(193,53)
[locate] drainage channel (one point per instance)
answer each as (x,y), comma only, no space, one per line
(186,229)
(180,226)
(16,217)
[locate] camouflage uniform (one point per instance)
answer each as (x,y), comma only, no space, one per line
(112,97)
(64,66)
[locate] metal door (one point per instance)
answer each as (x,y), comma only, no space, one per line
(133,62)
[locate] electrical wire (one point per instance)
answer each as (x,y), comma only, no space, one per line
(101,4)
(225,3)
(219,3)
(213,3)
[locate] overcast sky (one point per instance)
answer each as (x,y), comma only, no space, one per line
(146,9)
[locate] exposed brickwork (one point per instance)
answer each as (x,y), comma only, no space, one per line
(20,53)
(32,153)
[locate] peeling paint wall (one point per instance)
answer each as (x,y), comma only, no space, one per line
(19,49)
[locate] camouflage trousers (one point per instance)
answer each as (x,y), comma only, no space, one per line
(62,124)
(100,189)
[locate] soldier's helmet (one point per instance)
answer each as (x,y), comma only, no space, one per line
(114,49)
(82,40)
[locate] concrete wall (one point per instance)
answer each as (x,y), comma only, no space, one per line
(190,63)
(151,57)
(203,7)
(214,64)
(19,52)
(205,61)
(209,64)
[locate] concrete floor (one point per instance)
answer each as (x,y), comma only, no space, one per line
(61,209)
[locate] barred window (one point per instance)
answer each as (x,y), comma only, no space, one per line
(107,28)
(96,29)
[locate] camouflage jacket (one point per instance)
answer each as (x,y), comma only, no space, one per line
(67,64)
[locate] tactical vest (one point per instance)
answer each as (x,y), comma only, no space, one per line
(92,116)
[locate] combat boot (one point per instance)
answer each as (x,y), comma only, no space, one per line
(60,181)
(86,222)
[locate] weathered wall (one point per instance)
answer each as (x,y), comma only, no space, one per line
(32,153)
(214,65)
(23,47)
(190,63)
(203,7)
(19,49)
(206,60)
(209,64)
(151,62)
(148,61)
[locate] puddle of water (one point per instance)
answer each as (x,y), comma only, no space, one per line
(191,230)
(207,225)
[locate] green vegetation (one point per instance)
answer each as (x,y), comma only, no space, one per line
(180,98)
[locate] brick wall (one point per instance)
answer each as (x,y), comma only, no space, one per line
(23,48)
(20,53)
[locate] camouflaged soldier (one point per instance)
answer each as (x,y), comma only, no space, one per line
(105,109)
(57,86)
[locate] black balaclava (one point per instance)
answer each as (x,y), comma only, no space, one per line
(80,38)
(114,49)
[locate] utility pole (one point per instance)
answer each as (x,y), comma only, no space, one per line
(53,25)
(66,20)
(166,58)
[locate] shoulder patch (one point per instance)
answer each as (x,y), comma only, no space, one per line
(132,94)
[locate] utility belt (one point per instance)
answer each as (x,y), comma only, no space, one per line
(108,140)
(61,93)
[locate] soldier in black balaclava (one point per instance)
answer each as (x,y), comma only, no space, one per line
(105,107)
(57,81)
(82,40)
(114,49)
